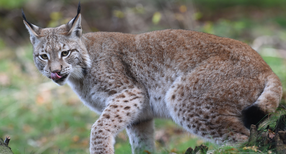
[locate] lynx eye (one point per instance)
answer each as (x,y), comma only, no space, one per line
(65,53)
(44,56)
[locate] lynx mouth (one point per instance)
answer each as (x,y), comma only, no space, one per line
(55,76)
(58,78)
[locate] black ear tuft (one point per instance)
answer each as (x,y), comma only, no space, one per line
(24,17)
(78,12)
(78,8)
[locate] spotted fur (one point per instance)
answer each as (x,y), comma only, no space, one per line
(205,83)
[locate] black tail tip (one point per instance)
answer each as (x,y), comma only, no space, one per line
(252,115)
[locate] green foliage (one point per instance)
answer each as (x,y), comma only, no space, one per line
(281,20)
(278,66)
(11,4)
(156,18)
(218,4)
(2,44)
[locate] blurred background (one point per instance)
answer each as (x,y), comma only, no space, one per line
(42,117)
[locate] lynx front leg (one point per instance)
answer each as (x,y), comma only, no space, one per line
(141,136)
(120,111)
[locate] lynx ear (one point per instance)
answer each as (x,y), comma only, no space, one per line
(74,25)
(33,30)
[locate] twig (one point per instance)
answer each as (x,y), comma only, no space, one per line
(7,140)
(253,135)
(202,148)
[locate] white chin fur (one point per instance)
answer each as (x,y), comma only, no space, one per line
(61,83)
(76,73)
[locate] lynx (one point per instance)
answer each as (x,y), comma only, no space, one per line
(211,86)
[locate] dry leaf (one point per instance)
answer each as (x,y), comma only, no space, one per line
(27,128)
(271,134)
(183,8)
(4,79)
(253,148)
(85,142)
(122,136)
(75,138)
(147,151)
(174,150)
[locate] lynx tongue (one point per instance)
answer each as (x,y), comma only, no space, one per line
(55,76)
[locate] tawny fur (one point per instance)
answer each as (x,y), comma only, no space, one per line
(201,81)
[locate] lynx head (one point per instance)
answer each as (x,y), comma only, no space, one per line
(59,53)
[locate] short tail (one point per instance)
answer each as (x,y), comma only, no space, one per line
(266,103)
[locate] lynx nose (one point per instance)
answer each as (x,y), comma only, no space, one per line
(55,67)
(56,71)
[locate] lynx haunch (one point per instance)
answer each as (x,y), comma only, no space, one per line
(213,87)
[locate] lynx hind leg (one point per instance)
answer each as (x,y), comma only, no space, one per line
(141,136)
(203,116)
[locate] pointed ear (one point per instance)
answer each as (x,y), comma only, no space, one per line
(33,30)
(74,25)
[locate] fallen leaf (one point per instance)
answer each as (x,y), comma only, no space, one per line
(122,136)
(147,151)
(183,8)
(4,79)
(174,150)
(27,128)
(85,142)
(75,138)
(253,148)
(271,134)
(233,149)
